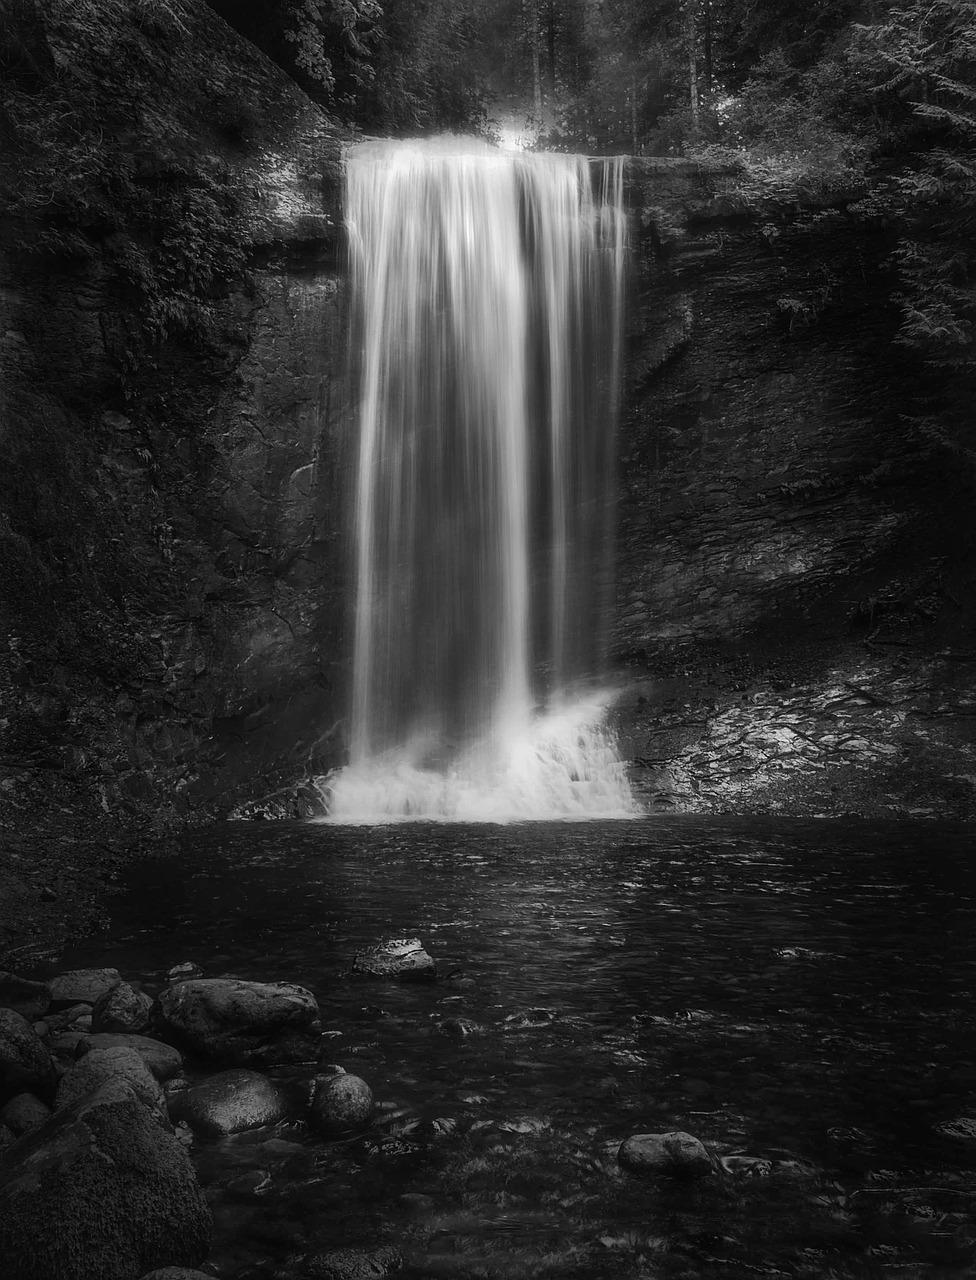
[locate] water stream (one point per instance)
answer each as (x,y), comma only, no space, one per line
(801,991)
(487,289)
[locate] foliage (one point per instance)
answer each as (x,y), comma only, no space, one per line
(81,181)
(923,60)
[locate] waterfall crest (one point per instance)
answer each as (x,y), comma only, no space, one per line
(487,288)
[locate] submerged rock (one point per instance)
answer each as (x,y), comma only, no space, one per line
(401,958)
(674,1154)
(29,999)
(230,1102)
(163,1060)
(233,1021)
(122,1008)
(341,1104)
(102,1191)
(82,986)
(102,1065)
(25,1062)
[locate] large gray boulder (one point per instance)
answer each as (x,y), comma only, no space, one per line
(26,1064)
(163,1060)
(403,959)
(230,1102)
(675,1154)
(102,1065)
(82,986)
(122,1008)
(231,1021)
(100,1190)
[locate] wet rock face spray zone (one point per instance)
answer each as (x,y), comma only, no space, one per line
(487,291)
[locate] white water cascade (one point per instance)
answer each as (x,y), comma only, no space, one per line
(487,288)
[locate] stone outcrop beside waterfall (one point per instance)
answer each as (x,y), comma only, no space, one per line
(172,360)
(795,584)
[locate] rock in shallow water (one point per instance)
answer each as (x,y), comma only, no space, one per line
(100,1190)
(122,1008)
(341,1104)
(102,1065)
(230,1102)
(25,1062)
(177,1273)
(674,1154)
(232,1021)
(29,999)
(401,958)
(163,1060)
(82,986)
(348,1264)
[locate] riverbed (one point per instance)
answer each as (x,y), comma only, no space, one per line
(797,992)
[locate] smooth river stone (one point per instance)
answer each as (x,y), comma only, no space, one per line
(236,1022)
(102,1065)
(163,1060)
(341,1104)
(230,1102)
(82,986)
(25,1062)
(674,1154)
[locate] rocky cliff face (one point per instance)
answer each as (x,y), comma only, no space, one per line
(796,590)
(172,377)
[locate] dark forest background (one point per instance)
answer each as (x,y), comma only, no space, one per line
(861,99)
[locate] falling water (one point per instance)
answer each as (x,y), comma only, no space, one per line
(488,295)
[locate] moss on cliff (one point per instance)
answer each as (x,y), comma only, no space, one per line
(170,201)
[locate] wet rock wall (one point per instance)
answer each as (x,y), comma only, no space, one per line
(170,561)
(794,629)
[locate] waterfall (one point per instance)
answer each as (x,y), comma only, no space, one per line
(487,329)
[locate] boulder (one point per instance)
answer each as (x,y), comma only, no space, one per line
(674,1154)
(350,1264)
(102,1191)
(101,1065)
(341,1104)
(177,1273)
(30,999)
(230,1102)
(77,1017)
(65,1044)
(163,1060)
(401,958)
(23,1113)
(122,1008)
(235,1022)
(82,986)
(25,1062)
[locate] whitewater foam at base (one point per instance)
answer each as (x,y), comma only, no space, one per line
(487,327)
(565,767)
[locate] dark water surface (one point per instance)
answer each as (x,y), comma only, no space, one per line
(798,990)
